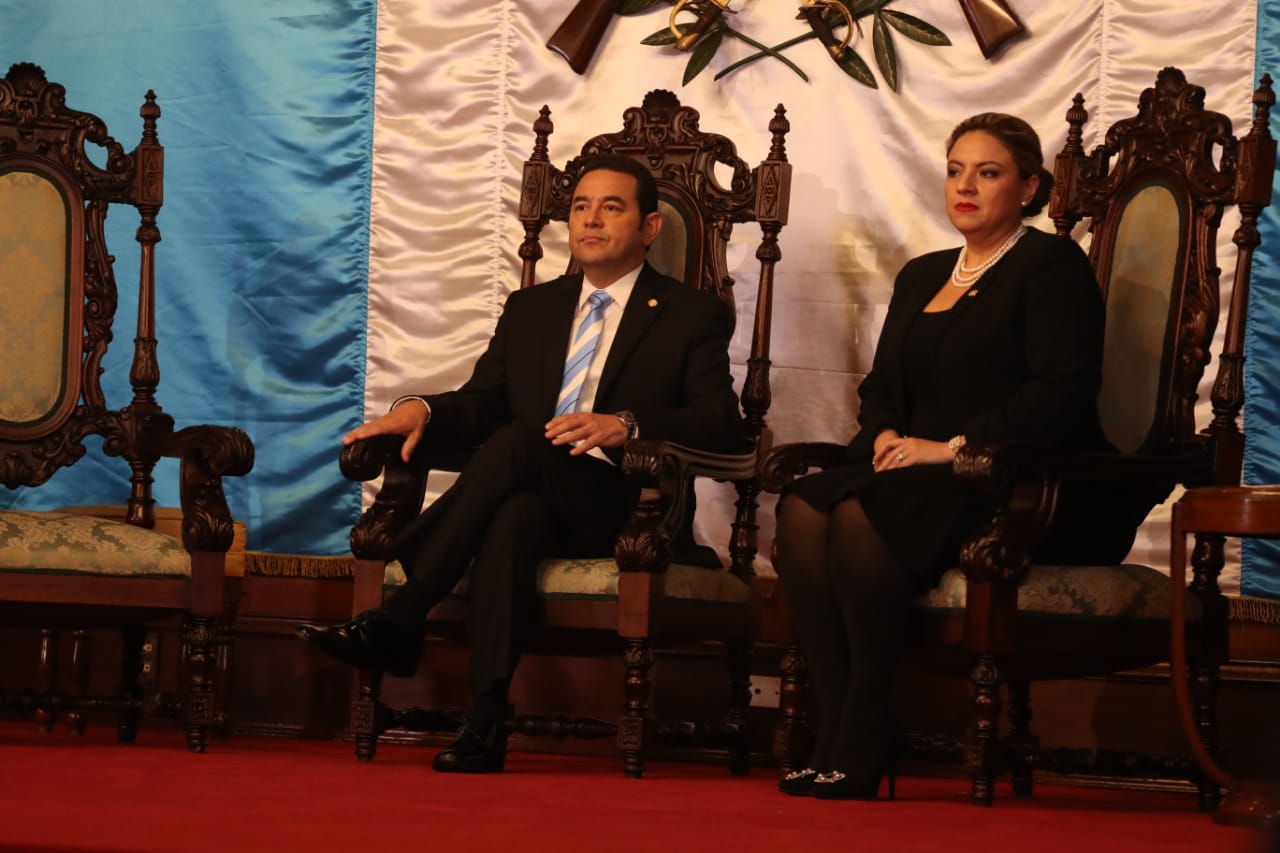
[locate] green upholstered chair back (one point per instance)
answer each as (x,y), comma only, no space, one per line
(670,254)
(58,292)
(39,356)
(1144,269)
(1153,192)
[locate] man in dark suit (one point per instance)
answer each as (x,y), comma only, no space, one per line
(564,383)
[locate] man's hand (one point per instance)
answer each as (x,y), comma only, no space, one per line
(585,430)
(407,419)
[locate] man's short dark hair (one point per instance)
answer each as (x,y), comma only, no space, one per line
(646,186)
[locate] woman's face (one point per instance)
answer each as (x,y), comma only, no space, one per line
(984,191)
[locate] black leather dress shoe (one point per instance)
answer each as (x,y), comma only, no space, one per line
(480,747)
(368,641)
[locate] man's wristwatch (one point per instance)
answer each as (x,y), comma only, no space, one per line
(628,421)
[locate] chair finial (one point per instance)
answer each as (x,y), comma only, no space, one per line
(779,126)
(1264,98)
(542,128)
(150,111)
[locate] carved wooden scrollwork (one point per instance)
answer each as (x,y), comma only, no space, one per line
(644,545)
(397,502)
(207,454)
(47,125)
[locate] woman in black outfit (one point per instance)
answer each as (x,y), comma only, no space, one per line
(1000,339)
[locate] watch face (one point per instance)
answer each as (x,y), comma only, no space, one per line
(629,421)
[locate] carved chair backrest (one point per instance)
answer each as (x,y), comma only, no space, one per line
(57,288)
(1154,192)
(704,189)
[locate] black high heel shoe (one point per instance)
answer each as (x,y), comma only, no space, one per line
(838,785)
(798,783)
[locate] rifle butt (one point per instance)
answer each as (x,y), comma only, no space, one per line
(578,36)
(993,24)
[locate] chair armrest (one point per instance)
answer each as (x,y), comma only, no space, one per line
(1008,462)
(365,460)
(787,461)
(664,473)
(206,454)
(1025,479)
(399,500)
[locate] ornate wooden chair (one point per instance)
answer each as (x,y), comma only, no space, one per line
(658,590)
(65,570)
(1154,193)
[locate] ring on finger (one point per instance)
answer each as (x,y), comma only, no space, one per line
(899,457)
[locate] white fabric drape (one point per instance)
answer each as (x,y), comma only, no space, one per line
(459,84)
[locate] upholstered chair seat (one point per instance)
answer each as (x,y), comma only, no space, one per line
(1128,591)
(56,542)
(598,579)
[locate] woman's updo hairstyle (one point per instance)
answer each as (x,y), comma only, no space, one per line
(1020,140)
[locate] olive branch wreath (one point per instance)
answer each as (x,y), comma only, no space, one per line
(704,36)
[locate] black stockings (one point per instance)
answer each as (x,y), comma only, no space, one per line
(848,599)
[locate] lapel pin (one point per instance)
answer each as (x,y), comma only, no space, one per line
(653,303)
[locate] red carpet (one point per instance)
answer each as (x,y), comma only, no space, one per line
(270,794)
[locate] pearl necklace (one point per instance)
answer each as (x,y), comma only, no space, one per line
(963,276)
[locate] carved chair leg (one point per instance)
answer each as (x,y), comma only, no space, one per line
(224,646)
(1209,651)
(81,669)
(982,746)
(198,640)
(1022,742)
(132,638)
(47,680)
(638,659)
(364,714)
(739,660)
(791,727)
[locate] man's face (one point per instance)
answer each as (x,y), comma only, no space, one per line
(607,234)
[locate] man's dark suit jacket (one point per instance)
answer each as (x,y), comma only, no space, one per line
(668,365)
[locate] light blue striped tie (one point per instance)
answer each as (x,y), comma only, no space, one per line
(580,352)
